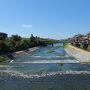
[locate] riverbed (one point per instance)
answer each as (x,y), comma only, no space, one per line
(47,68)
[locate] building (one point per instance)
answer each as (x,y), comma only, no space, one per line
(3,36)
(77,39)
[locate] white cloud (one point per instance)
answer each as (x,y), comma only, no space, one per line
(26,26)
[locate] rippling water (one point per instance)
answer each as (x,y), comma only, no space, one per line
(48,68)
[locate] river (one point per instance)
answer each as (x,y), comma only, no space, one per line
(48,68)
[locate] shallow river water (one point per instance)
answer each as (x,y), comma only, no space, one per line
(48,68)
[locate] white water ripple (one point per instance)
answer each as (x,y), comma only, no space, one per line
(6,73)
(48,61)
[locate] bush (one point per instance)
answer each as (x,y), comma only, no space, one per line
(2,59)
(4,48)
(85,45)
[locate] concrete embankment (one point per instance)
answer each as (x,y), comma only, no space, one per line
(23,52)
(80,54)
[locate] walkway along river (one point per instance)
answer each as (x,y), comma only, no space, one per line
(48,68)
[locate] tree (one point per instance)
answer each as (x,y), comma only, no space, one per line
(32,38)
(33,41)
(15,42)
(16,37)
(85,44)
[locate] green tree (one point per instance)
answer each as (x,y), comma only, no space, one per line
(16,37)
(15,42)
(33,41)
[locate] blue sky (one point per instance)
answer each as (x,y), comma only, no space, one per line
(45,18)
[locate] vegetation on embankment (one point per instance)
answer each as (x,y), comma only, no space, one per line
(6,57)
(86,49)
(65,45)
(17,43)
(2,59)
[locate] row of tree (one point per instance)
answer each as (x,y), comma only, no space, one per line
(17,43)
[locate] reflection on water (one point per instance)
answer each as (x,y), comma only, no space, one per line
(48,68)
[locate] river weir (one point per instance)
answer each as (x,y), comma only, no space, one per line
(47,68)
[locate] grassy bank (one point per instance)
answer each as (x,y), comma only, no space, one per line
(2,59)
(6,58)
(88,49)
(65,45)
